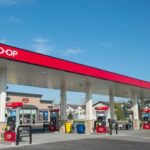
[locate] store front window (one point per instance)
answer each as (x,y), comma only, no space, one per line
(43,116)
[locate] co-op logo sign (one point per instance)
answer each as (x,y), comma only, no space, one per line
(8,52)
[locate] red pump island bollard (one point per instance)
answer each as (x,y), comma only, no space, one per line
(10,136)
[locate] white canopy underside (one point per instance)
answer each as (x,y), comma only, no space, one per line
(31,75)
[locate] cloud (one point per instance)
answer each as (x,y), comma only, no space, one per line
(14,19)
(71,51)
(41,45)
(13,2)
(40,40)
(8,2)
(3,40)
(105,44)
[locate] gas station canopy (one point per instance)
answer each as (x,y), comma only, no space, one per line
(34,69)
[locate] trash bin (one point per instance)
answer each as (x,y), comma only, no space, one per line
(68,127)
(80,128)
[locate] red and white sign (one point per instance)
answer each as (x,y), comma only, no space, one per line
(102,108)
(146,125)
(101,129)
(25,100)
(10,136)
(21,55)
(14,104)
(146,110)
(8,52)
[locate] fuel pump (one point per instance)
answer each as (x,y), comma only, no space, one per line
(54,120)
(100,125)
(145,115)
(13,121)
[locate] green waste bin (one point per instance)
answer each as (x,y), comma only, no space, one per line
(68,127)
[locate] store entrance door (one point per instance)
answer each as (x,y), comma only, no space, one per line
(28,116)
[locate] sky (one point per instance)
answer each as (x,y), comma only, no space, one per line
(112,35)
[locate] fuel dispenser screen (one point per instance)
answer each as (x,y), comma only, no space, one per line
(12,113)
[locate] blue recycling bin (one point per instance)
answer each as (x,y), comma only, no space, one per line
(80,128)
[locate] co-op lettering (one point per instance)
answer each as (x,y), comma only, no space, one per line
(8,52)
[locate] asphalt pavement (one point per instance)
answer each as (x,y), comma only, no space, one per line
(125,140)
(88,144)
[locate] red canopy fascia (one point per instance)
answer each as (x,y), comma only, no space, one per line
(25,56)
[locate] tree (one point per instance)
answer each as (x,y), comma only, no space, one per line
(122,110)
(70,116)
(120,115)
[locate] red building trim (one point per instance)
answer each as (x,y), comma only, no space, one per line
(21,55)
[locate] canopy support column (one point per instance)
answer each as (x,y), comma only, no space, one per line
(142,102)
(111,103)
(63,115)
(3,82)
(89,113)
(136,121)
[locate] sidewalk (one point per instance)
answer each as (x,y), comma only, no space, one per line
(41,138)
